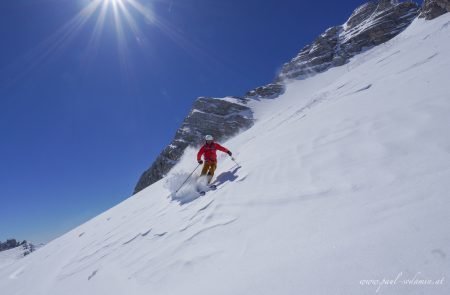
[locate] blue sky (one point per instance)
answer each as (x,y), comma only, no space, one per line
(81,117)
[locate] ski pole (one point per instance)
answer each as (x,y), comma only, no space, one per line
(234,160)
(187,179)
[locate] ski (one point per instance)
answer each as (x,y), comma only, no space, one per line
(211,187)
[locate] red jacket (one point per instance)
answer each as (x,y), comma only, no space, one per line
(209,152)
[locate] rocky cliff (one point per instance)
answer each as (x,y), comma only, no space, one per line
(434,8)
(26,247)
(369,25)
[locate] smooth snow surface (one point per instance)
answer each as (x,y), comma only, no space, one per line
(344,178)
(10,256)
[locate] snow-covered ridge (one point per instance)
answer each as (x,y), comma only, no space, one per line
(343,180)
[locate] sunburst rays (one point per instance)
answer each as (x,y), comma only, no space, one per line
(129,17)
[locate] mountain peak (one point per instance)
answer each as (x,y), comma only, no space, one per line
(386,4)
(360,14)
(369,25)
(364,11)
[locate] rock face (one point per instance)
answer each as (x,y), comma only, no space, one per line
(221,118)
(13,243)
(434,8)
(369,25)
(271,90)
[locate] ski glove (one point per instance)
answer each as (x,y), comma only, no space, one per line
(229,153)
(200,162)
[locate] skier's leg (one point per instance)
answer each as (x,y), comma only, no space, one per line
(205,169)
(211,171)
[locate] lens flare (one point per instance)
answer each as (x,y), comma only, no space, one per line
(128,17)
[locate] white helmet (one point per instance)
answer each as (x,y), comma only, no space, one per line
(209,137)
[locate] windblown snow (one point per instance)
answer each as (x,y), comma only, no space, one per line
(343,185)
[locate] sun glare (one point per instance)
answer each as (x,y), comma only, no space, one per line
(113,1)
(131,20)
(127,15)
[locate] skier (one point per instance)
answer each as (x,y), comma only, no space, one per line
(208,151)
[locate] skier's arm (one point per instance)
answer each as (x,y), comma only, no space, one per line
(200,154)
(223,149)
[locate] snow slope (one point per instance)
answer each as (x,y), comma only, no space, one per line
(344,178)
(10,256)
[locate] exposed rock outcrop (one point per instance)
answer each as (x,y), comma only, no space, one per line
(434,8)
(369,25)
(268,91)
(26,247)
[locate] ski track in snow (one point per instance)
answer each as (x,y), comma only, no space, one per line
(424,61)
